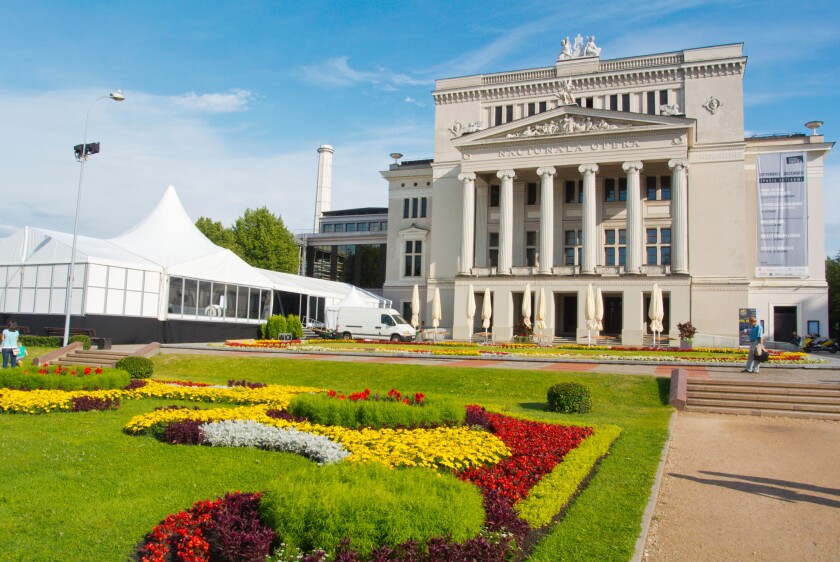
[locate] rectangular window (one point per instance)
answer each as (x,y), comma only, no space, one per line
(532,194)
(665,235)
(350,227)
(498,115)
(658,246)
(651,255)
(384,225)
(494,195)
(665,255)
(361,227)
(570,191)
(493,249)
(651,103)
(327,228)
(609,190)
(610,237)
(622,255)
(176,294)
(651,236)
(625,102)
(543,106)
(590,102)
(622,189)
(614,246)
(422,207)
(374,227)
(650,186)
(414,203)
(406,203)
(663,97)
(614,102)
(572,247)
(508,113)
(609,256)
(413,258)
(665,188)
(339,227)
(531,248)
(532,108)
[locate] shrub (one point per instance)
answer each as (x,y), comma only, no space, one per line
(89,404)
(136,367)
(687,331)
(569,397)
(67,378)
(85,340)
(276,324)
(372,504)
(325,410)
(40,341)
(294,326)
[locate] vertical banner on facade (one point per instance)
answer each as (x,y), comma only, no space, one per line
(782,219)
(744,315)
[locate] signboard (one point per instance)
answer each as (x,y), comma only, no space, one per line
(782,217)
(744,315)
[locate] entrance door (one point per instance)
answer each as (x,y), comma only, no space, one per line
(784,322)
(612,316)
(565,318)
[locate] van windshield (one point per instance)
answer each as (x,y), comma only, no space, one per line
(399,319)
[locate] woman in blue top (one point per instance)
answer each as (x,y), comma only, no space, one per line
(756,338)
(10,345)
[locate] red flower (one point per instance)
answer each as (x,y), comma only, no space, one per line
(98,371)
(87,370)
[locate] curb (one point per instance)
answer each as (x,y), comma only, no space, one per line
(647,517)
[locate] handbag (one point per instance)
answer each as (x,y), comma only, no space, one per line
(15,351)
(761,354)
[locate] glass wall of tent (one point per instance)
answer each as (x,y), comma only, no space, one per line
(197,299)
(97,289)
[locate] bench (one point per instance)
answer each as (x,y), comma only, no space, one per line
(89,332)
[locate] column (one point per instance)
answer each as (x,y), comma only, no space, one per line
(546,219)
(505,221)
(635,243)
(679,215)
(590,252)
(467,223)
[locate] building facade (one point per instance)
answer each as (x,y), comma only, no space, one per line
(621,174)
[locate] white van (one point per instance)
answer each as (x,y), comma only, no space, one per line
(373,323)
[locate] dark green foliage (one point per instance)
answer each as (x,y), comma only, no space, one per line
(832,277)
(265,241)
(27,379)
(85,340)
(137,367)
(274,325)
(40,341)
(372,504)
(294,326)
(569,397)
(218,234)
(322,409)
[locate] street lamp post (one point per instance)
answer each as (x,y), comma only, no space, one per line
(82,152)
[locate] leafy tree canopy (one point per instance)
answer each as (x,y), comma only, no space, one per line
(832,277)
(217,233)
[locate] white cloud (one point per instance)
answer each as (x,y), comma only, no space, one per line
(236,100)
(337,72)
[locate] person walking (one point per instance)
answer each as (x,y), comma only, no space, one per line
(756,338)
(10,345)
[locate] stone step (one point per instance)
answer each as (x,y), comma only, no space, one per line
(86,363)
(741,391)
(759,405)
(790,398)
(763,412)
(763,384)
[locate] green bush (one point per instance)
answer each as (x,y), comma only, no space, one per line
(29,379)
(322,409)
(137,367)
(294,326)
(372,504)
(274,325)
(85,340)
(569,397)
(40,341)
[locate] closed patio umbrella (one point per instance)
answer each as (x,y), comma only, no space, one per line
(486,312)
(470,309)
(589,312)
(541,309)
(526,305)
(436,314)
(599,310)
(656,311)
(415,307)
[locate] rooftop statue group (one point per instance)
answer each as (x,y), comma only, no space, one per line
(579,49)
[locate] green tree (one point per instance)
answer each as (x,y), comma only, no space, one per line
(832,277)
(265,241)
(218,234)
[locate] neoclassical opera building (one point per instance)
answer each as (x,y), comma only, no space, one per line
(622,174)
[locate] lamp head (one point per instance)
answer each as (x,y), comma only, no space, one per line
(814,125)
(117,96)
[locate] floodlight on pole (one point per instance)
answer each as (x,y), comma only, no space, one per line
(82,152)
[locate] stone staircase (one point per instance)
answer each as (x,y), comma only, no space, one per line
(764,398)
(91,358)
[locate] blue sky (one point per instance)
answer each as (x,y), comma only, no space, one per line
(229,101)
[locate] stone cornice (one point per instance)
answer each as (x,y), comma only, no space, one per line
(717,152)
(579,281)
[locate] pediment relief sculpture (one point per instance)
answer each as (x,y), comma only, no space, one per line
(567,124)
(458,129)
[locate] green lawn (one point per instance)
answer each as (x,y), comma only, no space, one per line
(74,487)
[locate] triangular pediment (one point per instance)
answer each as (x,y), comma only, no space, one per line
(413,231)
(572,121)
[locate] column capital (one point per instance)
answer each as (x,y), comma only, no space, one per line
(588,169)
(549,171)
(632,166)
(675,163)
(466,176)
(509,174)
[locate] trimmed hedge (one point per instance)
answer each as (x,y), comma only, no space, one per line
(85,340)
(570,398)
(40,341)
(26,379)
(324,410)
(372,504)
(137,367)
